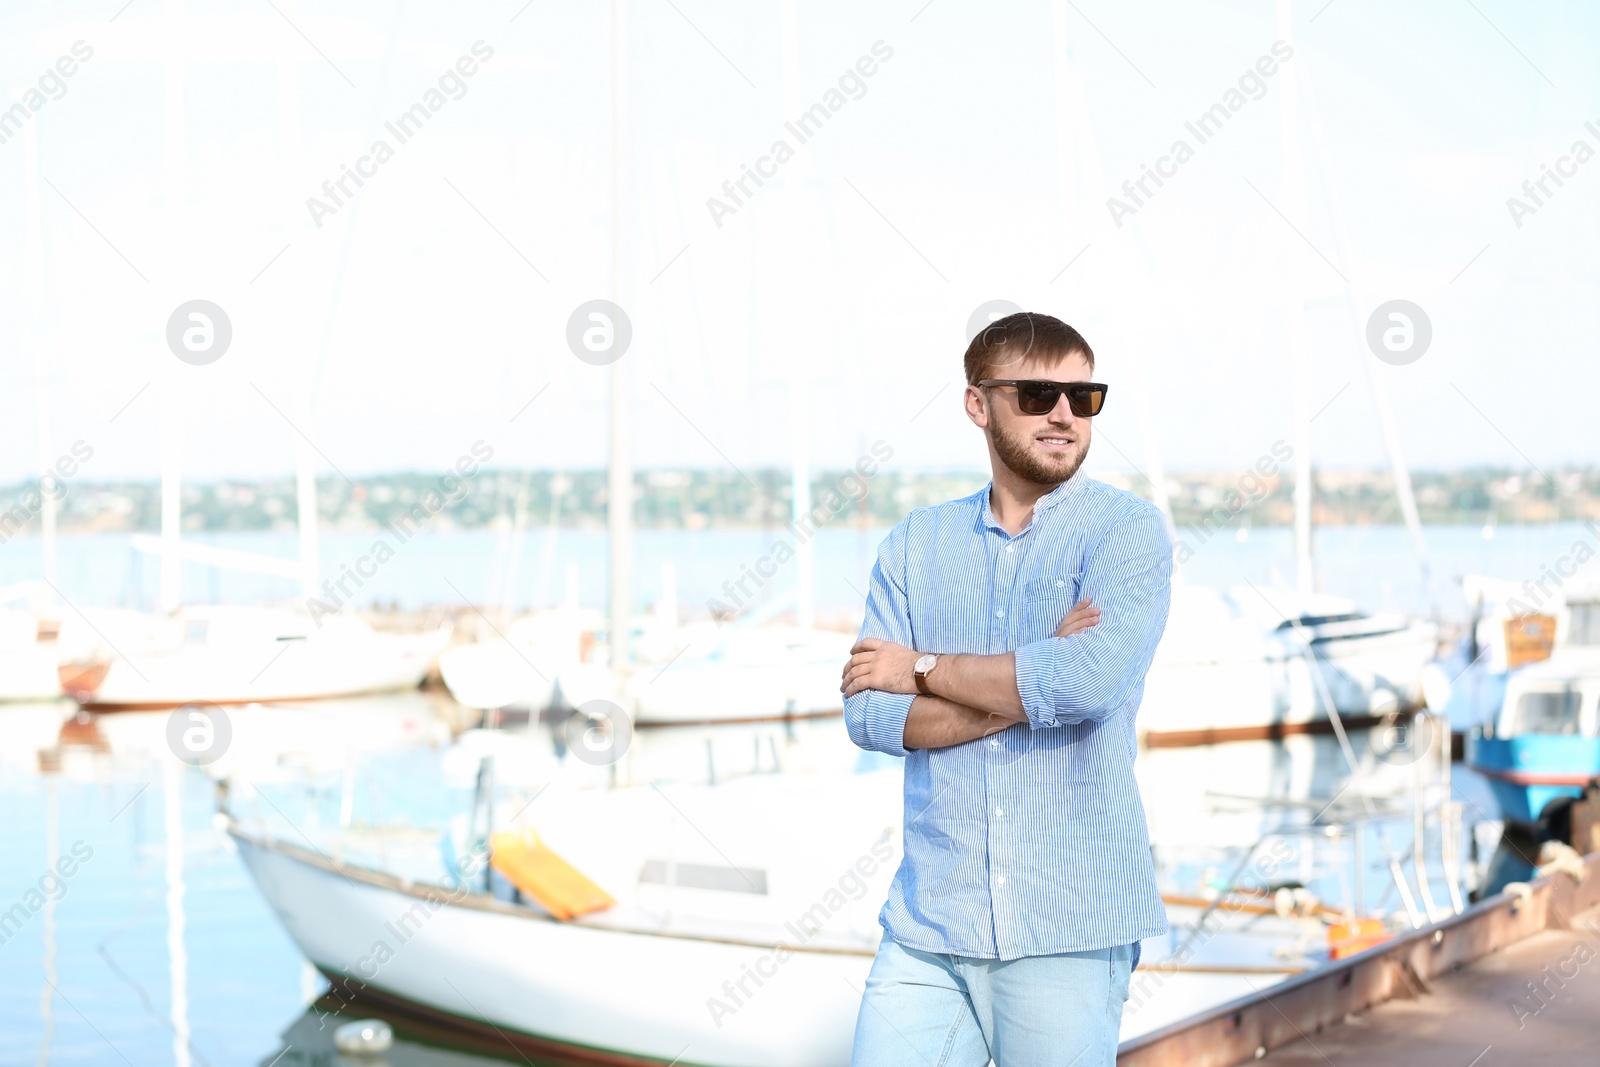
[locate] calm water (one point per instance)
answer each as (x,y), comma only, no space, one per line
(160,949)
(1373,564)
(122,986)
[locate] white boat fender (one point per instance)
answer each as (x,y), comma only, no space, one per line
(1522,891)
(1559,856)
(364,1037)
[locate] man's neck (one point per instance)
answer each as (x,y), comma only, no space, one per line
(1011,498)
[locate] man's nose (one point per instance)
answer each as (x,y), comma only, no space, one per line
(1062,414)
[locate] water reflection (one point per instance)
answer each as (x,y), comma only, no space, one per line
(309,1043)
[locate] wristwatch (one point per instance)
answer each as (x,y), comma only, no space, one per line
(920,672)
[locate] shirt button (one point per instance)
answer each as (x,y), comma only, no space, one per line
(1000,880)
(1011,548)
(994,742)
(999,812)
(1060,583)
(1000,614)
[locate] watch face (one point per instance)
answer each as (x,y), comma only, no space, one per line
(925,664)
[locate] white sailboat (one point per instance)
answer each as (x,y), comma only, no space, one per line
(744,925)
(754,669)
(760,667)
(517,668)
(1250,664)
(752,950)
(29,654)
(221,654)
(747,674)
(1233,666)
(698,674)
(226,654)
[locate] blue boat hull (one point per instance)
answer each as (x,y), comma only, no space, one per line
(1529,772)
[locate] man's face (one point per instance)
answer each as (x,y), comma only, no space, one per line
(1043,449)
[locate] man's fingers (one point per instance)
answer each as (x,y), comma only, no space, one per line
(1080,618)
(866,644)
(860,659)
(854,673)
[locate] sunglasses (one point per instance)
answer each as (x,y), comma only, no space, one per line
(1039,398)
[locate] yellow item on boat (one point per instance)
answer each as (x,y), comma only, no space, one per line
(1348,939)
(558,886)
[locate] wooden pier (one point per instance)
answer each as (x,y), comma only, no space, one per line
(1513,980)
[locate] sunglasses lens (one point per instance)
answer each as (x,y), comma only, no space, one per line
(1086,400)
(1037,398)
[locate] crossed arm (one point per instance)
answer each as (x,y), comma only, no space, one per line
(972,696)
(1043,684)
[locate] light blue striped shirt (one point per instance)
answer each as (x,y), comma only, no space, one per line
(1032,841)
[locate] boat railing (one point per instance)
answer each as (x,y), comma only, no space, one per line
(1358,771)
(1336,833)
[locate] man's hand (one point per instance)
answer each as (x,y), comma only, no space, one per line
(881,665)
(1079,618)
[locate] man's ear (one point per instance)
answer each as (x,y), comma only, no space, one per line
(977,408)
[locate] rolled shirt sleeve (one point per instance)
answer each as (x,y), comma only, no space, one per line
(877,720)
(1092,674)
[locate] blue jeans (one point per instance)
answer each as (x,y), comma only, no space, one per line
(929,1009)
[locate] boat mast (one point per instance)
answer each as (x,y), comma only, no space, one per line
(795,198)
(619,475)
(305,479)
(1401,472)
(173,393)
(1292,196)
(35,336)
(305,470)
(1078,156)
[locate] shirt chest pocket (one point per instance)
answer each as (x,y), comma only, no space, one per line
(1047,599)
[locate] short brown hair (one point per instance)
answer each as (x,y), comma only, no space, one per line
(1008,341)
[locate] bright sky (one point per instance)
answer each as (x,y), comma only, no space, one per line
(974,163)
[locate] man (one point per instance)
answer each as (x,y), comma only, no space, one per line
(1013,922)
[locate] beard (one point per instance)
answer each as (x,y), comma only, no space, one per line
(1020,459)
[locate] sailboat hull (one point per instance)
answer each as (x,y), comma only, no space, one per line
(1266,687)
(259,672)
(596,995)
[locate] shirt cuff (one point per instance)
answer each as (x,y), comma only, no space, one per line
(1035,675)
(885,721)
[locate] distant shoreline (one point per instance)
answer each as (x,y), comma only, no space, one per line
(758,498)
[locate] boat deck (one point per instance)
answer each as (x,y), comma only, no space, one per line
(1482,1015)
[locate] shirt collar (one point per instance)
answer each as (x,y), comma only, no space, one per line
(1042,505)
